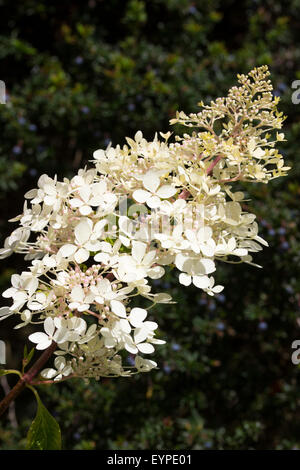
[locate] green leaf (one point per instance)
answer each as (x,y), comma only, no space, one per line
(44,432)
(27,355)
(30,355)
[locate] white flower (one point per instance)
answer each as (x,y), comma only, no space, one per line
(14,242)
(144,365)
(152,197)
(127,230)
(44,340)
(162,298)
(22,290)
(139,264)
(137,316)
(131,244)
(39,301)
(79,300)
(104,292)
(93,195)
(174,241)
(202,241)
(202,282)
(212,289)
(50,192)
(118,335)
(26,316)
(229,247)
(5,312)
(63,369)
(62,330)
(143,337)
(86,239)
(173,209)
(194,269)
(36,218)
(74,329)
(230,212)
(108,254)
(194,265)
(144,330)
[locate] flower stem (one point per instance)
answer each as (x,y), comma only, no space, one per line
(184,194)
(27,378)
(213,164)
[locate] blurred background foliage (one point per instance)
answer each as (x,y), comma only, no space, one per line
(81,74)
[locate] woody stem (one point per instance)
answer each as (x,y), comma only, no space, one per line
(27,378)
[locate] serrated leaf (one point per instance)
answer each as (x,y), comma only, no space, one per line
(44,432)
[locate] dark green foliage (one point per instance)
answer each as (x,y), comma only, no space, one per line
(44,432)
(80,74)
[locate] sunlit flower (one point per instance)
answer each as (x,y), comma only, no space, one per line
(153,192)
(143,207)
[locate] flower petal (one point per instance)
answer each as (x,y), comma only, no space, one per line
(166,191)
(67,250)
(140,195)
(140,334)
(202,282)
(185,279)
(48,373)
(145,348)
(137,316)
(208,265)
(124,324)
(118,308)
(38,337)
(85,210)
(81,255)
(153,202)
(77,294)
(49,326)
(138,250)
(129,345)
(151,181)
(217,289)
(75,202)
(83,231)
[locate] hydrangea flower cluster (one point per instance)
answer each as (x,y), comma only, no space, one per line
(96,241)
